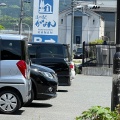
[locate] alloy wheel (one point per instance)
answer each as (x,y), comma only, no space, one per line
(8,102)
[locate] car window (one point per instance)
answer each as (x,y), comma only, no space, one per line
(32,51)
(50,51)
(10,50)
(79,50)
(66,51)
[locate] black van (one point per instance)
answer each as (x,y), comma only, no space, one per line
(55,56)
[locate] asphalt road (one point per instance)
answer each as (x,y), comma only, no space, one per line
(86,91)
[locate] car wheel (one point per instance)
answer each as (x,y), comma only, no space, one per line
(31,99)
(9,102)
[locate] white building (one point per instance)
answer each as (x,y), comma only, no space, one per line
(90,26)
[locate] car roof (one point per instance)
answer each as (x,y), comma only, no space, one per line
(12,37)
(49,43)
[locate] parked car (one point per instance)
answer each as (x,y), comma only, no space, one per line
(44,83)
(89,63)
(78,54)
(55,56)
(80,49)
(15,82)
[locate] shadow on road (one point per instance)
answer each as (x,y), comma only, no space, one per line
(19,112)
(62,91)
(40,105)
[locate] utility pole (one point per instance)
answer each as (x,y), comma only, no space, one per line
(115,95)
(95,2)
(72,27)
(21,17)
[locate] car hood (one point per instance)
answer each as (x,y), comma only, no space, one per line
(41,68)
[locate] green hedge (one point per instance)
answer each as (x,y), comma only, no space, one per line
(100,113)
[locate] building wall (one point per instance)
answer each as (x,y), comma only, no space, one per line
(64,29)
(94,28)
(68,30)
(105,26)
(102,28)
(85,29)
(107,3)
(109,18)
(87,26)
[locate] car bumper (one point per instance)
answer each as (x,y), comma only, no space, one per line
(64,80)
(28,88)
(72,74)
(46,96)
(46,92)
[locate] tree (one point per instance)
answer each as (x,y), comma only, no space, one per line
(2,27)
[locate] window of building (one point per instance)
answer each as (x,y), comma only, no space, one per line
(61,21)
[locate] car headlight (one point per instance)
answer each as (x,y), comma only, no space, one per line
(47,74)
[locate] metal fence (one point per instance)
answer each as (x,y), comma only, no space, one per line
(102,53)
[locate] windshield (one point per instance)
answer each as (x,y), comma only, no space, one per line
(49,50)
(79,50)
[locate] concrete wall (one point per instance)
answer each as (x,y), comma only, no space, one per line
(97,71)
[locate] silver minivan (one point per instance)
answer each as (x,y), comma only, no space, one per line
(15,82)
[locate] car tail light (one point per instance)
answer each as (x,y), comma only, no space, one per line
(71,66)
(22,67)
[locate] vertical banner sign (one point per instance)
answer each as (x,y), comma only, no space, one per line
(45,20)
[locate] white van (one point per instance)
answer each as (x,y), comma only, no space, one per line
(15,83)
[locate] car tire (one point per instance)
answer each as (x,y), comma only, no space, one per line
(10,102)
(31,99)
